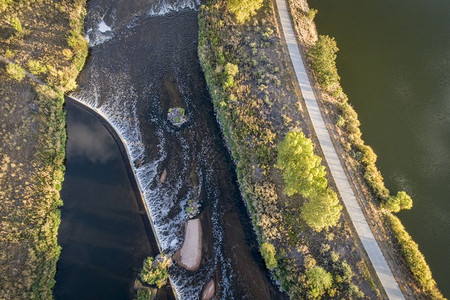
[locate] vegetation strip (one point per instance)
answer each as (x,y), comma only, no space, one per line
(33,137)
(362,227)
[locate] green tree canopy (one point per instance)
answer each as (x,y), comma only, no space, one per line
(303,172)
(268,253)
(319,281)
(244,9)
(322,57)
(322,210)
(396,203)
(155,273)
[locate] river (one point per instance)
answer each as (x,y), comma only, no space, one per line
(394,61)
(143,61)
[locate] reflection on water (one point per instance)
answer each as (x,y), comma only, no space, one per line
(394,60)
(93,142)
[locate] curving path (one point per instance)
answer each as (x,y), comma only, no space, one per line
(354,210)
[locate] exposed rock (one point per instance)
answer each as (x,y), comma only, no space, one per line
(162,179)
(190,254)
(176,116)
(209,290)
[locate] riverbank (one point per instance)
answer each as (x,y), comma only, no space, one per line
(257,104)
(33,137)
(401,251)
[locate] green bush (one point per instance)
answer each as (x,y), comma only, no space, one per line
(244,9)
(17,25)
(144,294)
(155,273)
(311,14)
(322,57)
(268,253)
(319,281)
(399,202)
(36,67)
(231,70)
(15,71)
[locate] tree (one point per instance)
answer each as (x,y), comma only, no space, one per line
(322,57)
(244,9)
(322,210)
(398,202)
(155,272)
(268,253)
(303,172)
(319,281)
(15,71)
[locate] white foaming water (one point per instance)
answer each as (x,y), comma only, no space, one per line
(99,34)
(102,27)
(163,7)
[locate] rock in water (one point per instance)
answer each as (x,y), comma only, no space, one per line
(162,179)
(176,116)
(208,290)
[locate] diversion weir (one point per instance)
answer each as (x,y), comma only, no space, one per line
(143,61)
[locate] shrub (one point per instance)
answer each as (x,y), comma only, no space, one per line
(319,281)
(15,71)
(322,57)
(36,67)
(17,25)
(144,294)
(155,272)
(9,54)
(244,9)
(396,203)
(231,71)
(311,14)
(268,253)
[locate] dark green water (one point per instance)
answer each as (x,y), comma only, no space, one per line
(394,61)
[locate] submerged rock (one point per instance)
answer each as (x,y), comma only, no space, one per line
(176,116)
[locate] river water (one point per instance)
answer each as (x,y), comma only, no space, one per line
(103,233)
(143,61)
(394,61)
